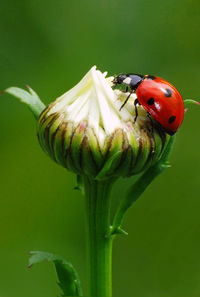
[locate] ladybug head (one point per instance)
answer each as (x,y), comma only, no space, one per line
(130,80)
(120,78)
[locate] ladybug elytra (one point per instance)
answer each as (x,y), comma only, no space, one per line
(159,98)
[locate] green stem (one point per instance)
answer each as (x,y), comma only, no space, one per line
(98,202)
(136,190)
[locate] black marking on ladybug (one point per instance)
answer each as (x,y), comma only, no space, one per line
(168,92)
(152,77)
(171,119)
(150,101)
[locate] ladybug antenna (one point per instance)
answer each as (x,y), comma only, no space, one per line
(114,78)
(114,81)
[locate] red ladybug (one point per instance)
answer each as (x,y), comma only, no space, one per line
(160,99)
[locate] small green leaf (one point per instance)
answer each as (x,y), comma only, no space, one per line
(30,98)
(67,275)
(119,230)
(139,186)
(190,102)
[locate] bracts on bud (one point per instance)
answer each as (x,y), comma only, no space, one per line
(92,147)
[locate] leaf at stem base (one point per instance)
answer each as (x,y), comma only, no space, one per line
(68,279)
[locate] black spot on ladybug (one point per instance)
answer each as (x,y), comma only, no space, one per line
(168,93)
(152,77)
(150,101)
(171,119)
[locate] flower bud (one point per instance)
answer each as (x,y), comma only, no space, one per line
(85,131)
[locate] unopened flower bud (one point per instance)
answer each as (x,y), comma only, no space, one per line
(85,131)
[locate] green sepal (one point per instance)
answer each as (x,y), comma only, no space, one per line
(30,98)
(68,279)
(125,162)
(75,149)
(141,162)
(89,166)
(94,147)
(140,185)
(104,172)
(43,134)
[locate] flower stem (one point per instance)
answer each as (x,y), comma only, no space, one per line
(98,202)
(140,185)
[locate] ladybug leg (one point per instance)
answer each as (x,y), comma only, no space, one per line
(150,118)
(126,99)
(114,84)
(136,102)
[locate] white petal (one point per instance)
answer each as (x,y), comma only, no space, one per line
(94,101)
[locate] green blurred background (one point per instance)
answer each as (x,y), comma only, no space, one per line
(50,45)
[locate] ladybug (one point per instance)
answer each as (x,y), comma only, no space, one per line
(159,98)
